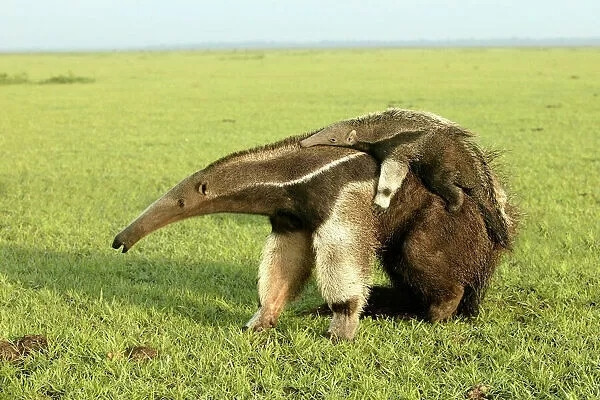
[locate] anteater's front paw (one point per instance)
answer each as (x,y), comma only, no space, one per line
(261,321)
(342,328)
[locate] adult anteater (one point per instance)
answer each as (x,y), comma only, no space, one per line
(319,202)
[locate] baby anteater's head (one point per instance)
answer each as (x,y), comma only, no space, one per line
(338,134)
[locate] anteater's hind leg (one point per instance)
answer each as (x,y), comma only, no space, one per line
(422,285)
(444,302)
(286,264)
(431,271)
(446,261)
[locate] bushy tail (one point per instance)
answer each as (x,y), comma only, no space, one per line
(492,200)
(497,226)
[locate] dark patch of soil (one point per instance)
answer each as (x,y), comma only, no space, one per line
(8,351)
(30,343)
(141,353)
(478,392)
(22,347)
(53,393)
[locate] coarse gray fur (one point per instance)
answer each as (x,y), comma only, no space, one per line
(441,153)
(318,202)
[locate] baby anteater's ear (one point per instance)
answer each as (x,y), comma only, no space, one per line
(351,139)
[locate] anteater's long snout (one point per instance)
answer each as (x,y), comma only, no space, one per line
(118,242)
(127,238)
(138,229)
(160,213)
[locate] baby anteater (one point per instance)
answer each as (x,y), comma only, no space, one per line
(439,151)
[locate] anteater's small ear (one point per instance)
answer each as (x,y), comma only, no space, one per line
(351,136)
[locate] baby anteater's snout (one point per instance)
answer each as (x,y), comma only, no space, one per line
(304,143)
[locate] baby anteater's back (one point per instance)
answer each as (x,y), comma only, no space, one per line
(395,123)
(438,150)
(451,165)
(443,155)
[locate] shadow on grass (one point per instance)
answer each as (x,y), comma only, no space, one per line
(204,291)
(383,302)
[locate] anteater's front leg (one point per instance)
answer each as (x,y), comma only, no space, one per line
(343,283)
(286,264)
(344,254)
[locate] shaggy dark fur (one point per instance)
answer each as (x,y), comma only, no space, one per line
(438,263)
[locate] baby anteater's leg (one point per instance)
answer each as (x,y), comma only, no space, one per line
(343,257)
(286,264)
(443,183)
(391,175)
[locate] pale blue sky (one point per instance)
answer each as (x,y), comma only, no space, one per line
(118,24)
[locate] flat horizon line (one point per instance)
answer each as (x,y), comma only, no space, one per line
(324,44)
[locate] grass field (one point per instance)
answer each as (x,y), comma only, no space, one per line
(79,161)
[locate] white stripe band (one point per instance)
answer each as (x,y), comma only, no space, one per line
(312,174)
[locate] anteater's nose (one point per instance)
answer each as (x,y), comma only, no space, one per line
(117,243)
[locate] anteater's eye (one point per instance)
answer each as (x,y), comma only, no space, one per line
(332,140)
(181,203)
(202,188)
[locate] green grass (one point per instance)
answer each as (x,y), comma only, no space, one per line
(78,162)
